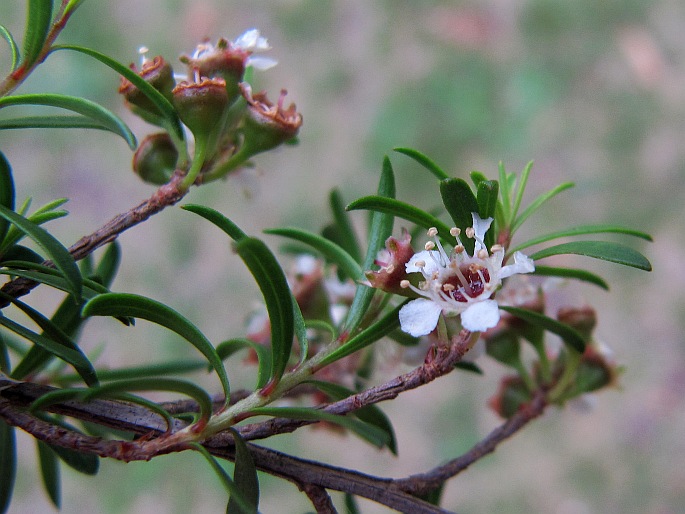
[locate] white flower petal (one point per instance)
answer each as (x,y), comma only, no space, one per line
(261,63)
(419,317)
(480,227)
(247,40)
(480,316)
(428,257)
(522,264)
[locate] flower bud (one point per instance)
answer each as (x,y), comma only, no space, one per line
(583,319)
(267,125)
(595,371)
(201,105)
(392,261)
(155,159)
(511,396)
(158,73)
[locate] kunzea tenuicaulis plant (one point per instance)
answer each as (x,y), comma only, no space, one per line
(443,288)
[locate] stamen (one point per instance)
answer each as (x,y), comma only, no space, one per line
(404,284)
(470,232)
(496,248)
(390,268)
(420,264)
(455,231)
(448,287)
(143,50)
(483,254)
(459,249)
(429,245)
(432,232)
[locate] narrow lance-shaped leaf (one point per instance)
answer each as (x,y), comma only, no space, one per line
(423,161)
(344,226)
(380,229)
(198,394)
(135,306)
(73,357)
(79,105)
(300,330)
(330,250)
(605,250)
(229,485)
(244,476)
(53,248)
(165,108)
(38,19)
(568,334)
(405,211)
(8,464)
(228,348)
(56,334)
(277,296)
(56,121)
(370,433)
(14,49)
(581,231)
(460,202)
(6,193)
(578,274)
(521,189)
(221,221)
(49,470)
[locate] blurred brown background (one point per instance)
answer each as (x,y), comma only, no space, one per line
(593,91)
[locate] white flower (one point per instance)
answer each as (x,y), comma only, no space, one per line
(251,41)
(458,283)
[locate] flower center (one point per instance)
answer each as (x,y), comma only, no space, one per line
(470,280)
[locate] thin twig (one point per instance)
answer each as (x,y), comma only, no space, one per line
(320,499)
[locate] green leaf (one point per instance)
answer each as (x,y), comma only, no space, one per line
(460,202)
(50,277)
(581,231)
(277,296)
(74,357)
(578,274)
(165,108)
(38,20)
(423,161)
(14,49)
(469,366)
(505,194)
(6,193)
(149,370)
(330,250)
(348,239)
(380,229)
(370,433)
(56,334)
(228,348)
(236,495)
(537,203)
(49,470)
(59,254)
(380,329)
(300,330)
(221,221)
(109,265)
(405,211)
(79,105)
(8,464)
(244,476)
(71,6)
(521,189)
(55,121)
(370,414)
(568,334)
(605,250)
(135,306)
(195,392)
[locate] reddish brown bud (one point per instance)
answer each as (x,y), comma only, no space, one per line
(583,319)
(392,262)
(158,73)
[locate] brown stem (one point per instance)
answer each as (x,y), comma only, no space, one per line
(320,499)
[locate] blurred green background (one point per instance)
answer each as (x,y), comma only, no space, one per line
(594,92)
